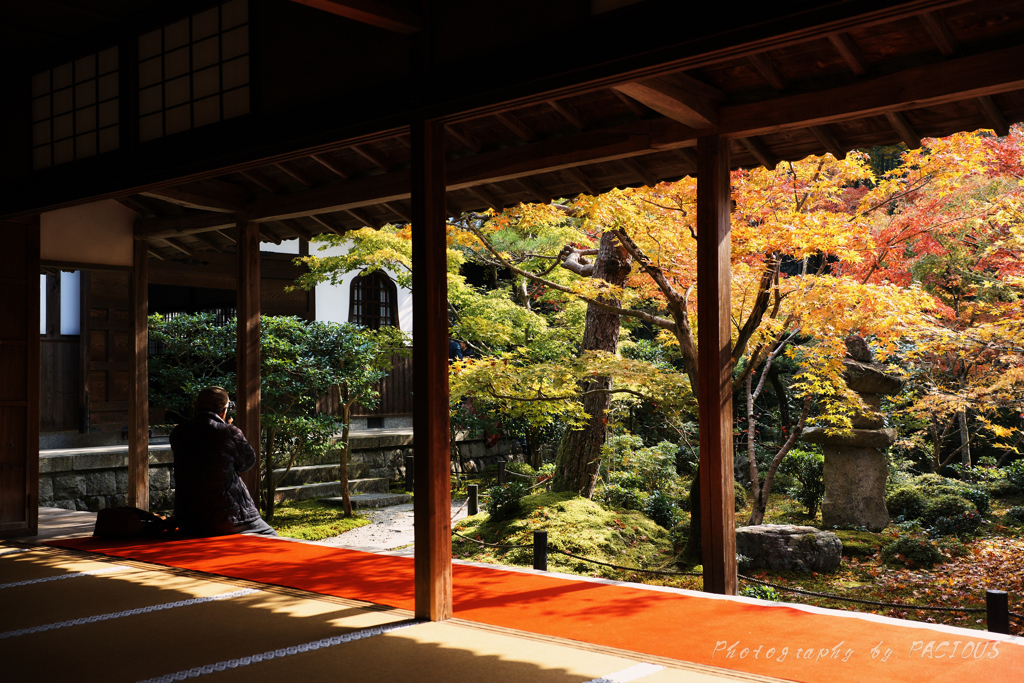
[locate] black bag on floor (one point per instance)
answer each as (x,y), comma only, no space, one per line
(130,522)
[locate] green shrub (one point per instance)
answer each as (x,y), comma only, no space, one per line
(1015,515)
(951,515)
(809,469)
(654,467)
(912,552)
(982,499)
(761,592)
(618,496)
(520,468)
(907,502)
(947,505)
(743,563)
(662,509)
(739,496)
(505,502)
(1015,475)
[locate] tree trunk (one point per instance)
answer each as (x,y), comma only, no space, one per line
(692,553)
(965,438)
(576,464)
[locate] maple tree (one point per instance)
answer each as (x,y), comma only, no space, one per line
(953,227)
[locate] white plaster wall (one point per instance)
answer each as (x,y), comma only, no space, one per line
(332,301)
(98,233)
(286,247)
(70,303)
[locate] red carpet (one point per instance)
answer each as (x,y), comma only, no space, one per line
(734,635)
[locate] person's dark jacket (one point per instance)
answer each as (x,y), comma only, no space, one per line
(209,496)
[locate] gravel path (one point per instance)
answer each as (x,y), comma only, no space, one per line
(390,531)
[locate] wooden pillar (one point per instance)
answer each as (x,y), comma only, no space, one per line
(138,382)
(714,360)
(19,379)
(247,394)
(432,501)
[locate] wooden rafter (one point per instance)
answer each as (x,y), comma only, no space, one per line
(516,125)
(371,157)
(637,169)
(376,14)
(583,179)
(330,166)
(993,116)
(768,71)
(535,189)
(209,195)
(361,218)
(393,208)
(939,33)
(682,99)
(829,141)
(569,113)
(463,136)
(849,51)
(902,126)
(486,196)
(289,170)
(323,220)
(761,152)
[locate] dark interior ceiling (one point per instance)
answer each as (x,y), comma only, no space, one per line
(929,70)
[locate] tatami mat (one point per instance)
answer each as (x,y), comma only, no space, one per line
(130,621)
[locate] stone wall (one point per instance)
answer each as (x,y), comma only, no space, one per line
(96,478)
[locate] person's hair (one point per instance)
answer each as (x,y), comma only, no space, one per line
(212,399)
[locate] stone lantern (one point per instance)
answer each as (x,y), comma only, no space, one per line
(855,462)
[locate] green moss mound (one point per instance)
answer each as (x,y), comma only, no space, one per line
(915,553)
(575,525)
(859,543)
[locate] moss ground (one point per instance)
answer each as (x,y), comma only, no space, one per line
(312,520)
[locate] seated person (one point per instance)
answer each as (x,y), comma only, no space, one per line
(209,452)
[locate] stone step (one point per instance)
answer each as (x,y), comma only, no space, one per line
(316,474)
(329,489)
(372,500)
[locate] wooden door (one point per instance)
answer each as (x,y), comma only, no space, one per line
(19,379)
(110,349)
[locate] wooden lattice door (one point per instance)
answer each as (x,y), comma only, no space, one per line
(109,349)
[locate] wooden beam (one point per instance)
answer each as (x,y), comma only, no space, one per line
(954,80)
(768,72)
(391,206)
(291,172)
(484,195)
(330,166)
(829,141)
(939,33)
(761,152)
(360,217)
(516,125)
(369,12)
(463,136)
(371,157)
(583,179)
(432,500)
(180,246)
(209,241)
(166,226)
(993,116)
(260,182)
(247,395)
(902,126)
(535,189)
(138,382)
(631,104)
(849,51)
(680,98)
(209,195)
(330,228)
(714,358)
(569,113)
(646,176)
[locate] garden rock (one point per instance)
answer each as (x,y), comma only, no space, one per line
(786,547)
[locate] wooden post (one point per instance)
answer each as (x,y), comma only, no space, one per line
(432,502)
(997,607)
(19,381)
(714,360)
(247,394)
(138,382)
